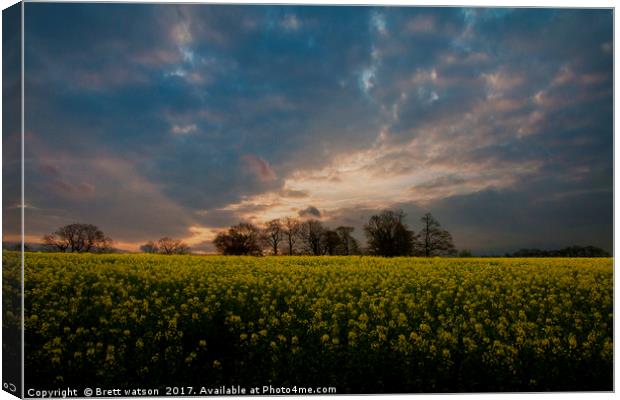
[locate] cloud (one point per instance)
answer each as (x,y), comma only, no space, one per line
(442,181)
(181,33)
(607,47)
(500,82)
(310,211)
(379,23)
(259,167)
(367,78)
(183,129)
(422,24)
(291,23)
(297,194)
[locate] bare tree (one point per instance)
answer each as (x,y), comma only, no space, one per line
(272,235)
(348,244)
(241,239)
(388,235)
(433,239)
(311,234)
(330,241)
(54,243)
(291,230)
(78,238)
(169,246)
(149,247)
(105,246)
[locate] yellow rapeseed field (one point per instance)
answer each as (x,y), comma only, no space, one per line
(360,324)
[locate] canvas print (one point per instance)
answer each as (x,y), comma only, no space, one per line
(291,199)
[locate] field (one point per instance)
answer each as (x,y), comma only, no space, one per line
(360,324)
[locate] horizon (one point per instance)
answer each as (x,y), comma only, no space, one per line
(181,120)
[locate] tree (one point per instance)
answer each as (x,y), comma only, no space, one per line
(571,251)
(388,235)
(104,246)
(290,231)
(78,238)
(165,245)
(149,247)
(311,234)
(330,242)
(465,253)
(53,242)
(241,239)
(348,244)
(17,246)
(168,246)
(433,239)
(272,235)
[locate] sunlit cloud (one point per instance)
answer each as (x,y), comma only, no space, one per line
(291,23)
(500,82)
(367,79)
(379,23)
(422,24)
(181,33)
(259,167)
(184,129)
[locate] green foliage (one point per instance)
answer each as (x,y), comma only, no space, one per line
(362,324)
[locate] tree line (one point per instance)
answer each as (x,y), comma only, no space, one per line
(570,251)
(165,245)
(88,238)
(288,236)
(78,238)
(387,235)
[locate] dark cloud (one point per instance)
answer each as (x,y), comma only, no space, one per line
(297,194)
(310,211)
(442,181)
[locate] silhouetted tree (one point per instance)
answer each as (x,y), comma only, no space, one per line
(149,247)
(330,242)
(433,239)
(388,235)
(348,244)
(311,233)
(78,238)
(104,246)
(17,246)
(170,246)
(272,235)
(165,245)
(241,239)
(290,231)
(571,251)
(53,242)
(465,253)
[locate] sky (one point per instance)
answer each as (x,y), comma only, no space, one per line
(181,120)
